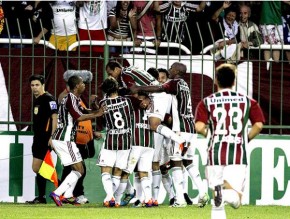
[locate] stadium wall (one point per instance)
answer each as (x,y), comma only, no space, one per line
(267,179)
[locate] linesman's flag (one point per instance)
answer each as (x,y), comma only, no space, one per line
(47,169)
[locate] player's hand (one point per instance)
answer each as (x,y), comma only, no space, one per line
(97,135)
(134,89)
(145,103)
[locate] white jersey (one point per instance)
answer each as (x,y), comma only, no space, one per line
(93,15)
(64,18)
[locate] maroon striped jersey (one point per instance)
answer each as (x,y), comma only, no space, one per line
(132,75)
(70,110)
(180,89)
(227,114)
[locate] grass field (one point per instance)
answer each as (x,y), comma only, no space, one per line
(88,211)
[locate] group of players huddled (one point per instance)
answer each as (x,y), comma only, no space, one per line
(150,129)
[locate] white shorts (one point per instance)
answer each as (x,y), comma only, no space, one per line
(161,105)
(271,34)
(67,152)
(189,155)
(158,143)
(165,151)
(113,158)
(235,175)
(142,157)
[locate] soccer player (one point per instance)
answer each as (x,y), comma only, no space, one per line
(141,155)
(63,139)
(119,114)
(183,124)
(44,124)
(225,114)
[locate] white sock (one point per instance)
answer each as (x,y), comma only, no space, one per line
(108,186)
(218,212)
(178,184)
(185,180)
(129,188)
(115,182)
(168,133)
(231,197)
(137,185)
(146,187)
(69,183)
(156,178)
(195,177)
(120,191)
(168,185)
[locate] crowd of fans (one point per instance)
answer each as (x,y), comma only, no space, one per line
(231,26)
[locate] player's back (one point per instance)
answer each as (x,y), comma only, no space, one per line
(229,114)
(133,75)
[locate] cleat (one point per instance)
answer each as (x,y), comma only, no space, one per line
(155,203)
(117,205)
(128,198)
(171,201)
(148,204)
(187,199)
(137,204)
(179,205)
(203,201)
(218,195)
(56,199)
(82,199)
(37,200)
(106,204)
(71,200)
(112,202)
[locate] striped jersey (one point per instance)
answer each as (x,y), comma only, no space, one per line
(132,75)
(227,114)
(180,89)
(124,29)
(175,20)
(119,114)
(70,110)
(142,135)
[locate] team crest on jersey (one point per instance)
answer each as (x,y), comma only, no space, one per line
(35,111)
(53,105)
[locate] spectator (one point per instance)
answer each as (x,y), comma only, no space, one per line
(175,14)
(250,34)
(148,25)
(92,23)
(17,16)
(228,33)
(286,26)
(64,31)
(1,18)
(271,27)
(121,17)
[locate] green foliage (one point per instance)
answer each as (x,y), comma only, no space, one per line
(88,211)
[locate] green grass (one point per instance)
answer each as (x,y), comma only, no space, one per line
(20,211)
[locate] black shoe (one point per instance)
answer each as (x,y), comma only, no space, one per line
(37,200)
(171,201)
(218,196)
(187,199)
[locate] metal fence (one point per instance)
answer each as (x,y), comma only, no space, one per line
(266,81)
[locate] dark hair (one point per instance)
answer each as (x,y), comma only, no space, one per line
(37,77)
(163,70)
(113,64)
(73,81)
(154,72)
(109,86)
(119,7)
(225,75)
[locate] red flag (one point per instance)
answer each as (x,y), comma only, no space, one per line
(47,169)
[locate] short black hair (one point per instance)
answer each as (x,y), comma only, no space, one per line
(154,72)
(109,86)
(225,75)
(113,64)
(164,70)
(73,81)
(37,77)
